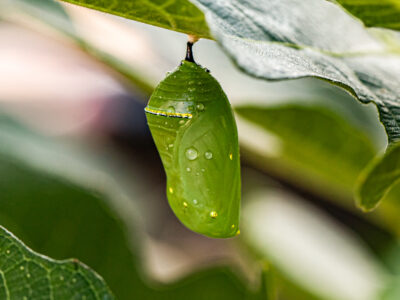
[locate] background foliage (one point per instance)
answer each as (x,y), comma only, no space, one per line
(306,147)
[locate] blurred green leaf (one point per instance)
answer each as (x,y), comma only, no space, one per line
(28,275)
(301,242)
(288,39)
(313,142)
(392,260)
(42,204)
(377,179)
(178,15)
(375,13)
(392,291)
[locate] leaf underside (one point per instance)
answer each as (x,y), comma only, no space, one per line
(278,40)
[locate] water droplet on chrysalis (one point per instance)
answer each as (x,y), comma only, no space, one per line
(208,155)
(191,153)
(203,170)
(213,214)
(195,201)
(200,106)
(188,169)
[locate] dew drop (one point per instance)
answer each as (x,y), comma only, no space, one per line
(8,251)
(73,280)
(195,201)
(200,106)
(203,170)
(197,173)
(208,154)
(188,169)
(21,268)
(185,204)
(191,153)
(213,214)
(28,275)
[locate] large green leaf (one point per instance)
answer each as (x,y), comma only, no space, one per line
(178,15)
(25,274)
(375,13)
(378,178)
(287,39)
(309,143)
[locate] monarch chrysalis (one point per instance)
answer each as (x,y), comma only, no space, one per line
(194,130)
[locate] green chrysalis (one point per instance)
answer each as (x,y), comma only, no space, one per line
(194,129)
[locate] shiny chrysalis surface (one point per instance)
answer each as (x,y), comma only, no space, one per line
(194,129)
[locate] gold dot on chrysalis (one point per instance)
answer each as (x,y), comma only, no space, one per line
(171,190)
(213,214)
(185,204)
(230,156)
(237,232)
(233,226)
